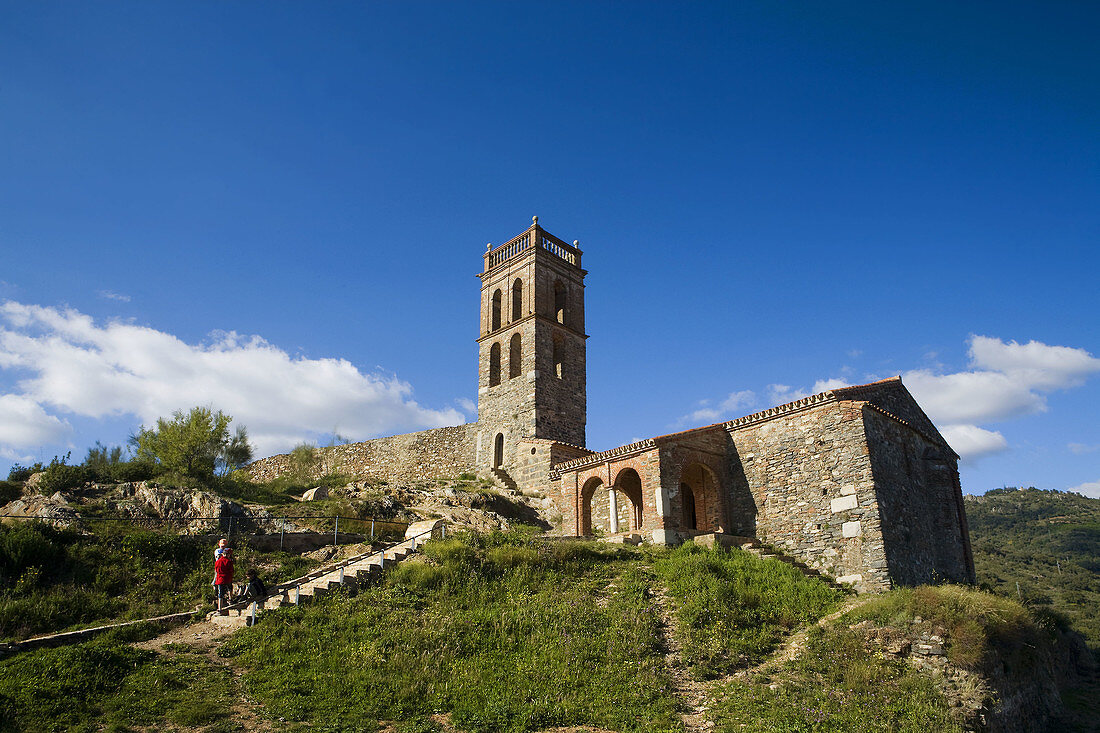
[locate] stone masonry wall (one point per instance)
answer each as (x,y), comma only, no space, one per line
(920,503)
(809,477)
(428,454)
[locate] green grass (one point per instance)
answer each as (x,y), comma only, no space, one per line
(973,621)
(54,580)
(105,684)
(734,608)
(502,634)
(836,685)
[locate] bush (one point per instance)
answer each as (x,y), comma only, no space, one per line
(22,473)
(10,491)
(29,545)
(59,476)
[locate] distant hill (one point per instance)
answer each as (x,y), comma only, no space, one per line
(1042,547)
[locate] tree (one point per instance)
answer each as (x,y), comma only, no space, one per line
(194,445)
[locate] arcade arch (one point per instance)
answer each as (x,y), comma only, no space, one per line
(700,507)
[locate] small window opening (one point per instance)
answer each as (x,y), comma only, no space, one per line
(558,358)
(559,301)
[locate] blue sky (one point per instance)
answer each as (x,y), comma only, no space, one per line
(278,209)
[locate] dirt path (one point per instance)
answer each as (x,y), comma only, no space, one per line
(796,643)
(691,693)
(204,638)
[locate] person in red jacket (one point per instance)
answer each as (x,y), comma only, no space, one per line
(223,579)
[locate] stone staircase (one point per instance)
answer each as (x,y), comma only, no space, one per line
(504,480)
(350,573)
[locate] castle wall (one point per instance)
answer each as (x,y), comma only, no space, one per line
(803,482)
(427,454)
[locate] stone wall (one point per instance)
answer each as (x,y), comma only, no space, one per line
(920,504)
(428,454)
(804,479)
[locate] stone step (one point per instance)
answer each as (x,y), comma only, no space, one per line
(316,585)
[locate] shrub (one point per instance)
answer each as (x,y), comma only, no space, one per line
(29,545)
(22,473)
(10,491)
(59,476)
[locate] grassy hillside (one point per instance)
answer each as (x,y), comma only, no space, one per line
(56,579)
(504,632)
(1042,547)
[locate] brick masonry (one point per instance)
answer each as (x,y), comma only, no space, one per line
(856,482)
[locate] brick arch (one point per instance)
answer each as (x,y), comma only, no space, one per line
(628,483)
(701,490)
(584,521)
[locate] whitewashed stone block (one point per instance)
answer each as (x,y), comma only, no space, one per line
(851,529)
(844,503)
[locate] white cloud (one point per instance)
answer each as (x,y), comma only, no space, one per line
(972,397)
(1090,489)
(111,295)
(739,400)
(972,442)
(467,405)
(1006,380)
(824,385)
(1081,449)
(74,365)
(705,415)
(779,394)
(24,424)
(1035,364)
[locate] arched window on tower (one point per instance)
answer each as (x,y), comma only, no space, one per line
(496,311)
(559,347)
(559,301)
(494,365)
(514,357)
(517,299)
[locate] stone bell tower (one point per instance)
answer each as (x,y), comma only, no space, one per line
(531,348)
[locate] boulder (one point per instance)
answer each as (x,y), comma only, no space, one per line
(318,493)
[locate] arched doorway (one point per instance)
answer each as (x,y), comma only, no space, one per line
(701,506)
(584,521)
(687,505)
(628,485)
(498,451)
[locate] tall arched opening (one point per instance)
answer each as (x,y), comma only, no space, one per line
(498,451)
(584,521)
(496,311)
(628,485)
(515,357)
(687,506)
(701,507)
(517,299)
(494,364)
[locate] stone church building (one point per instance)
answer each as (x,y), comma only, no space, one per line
(856,482)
